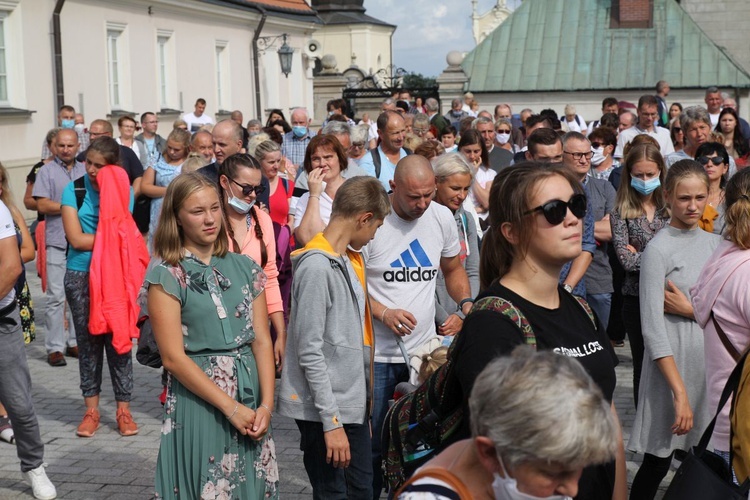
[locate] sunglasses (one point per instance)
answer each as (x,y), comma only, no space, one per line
(597,145)
(556,210)
(503,131)
(716,160)
(247,188)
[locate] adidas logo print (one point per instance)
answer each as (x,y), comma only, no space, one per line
(413,265)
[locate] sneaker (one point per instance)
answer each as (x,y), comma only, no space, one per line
(41,486)
(6,431)
(125,423)
(90,423)
(72,351)
(56,359)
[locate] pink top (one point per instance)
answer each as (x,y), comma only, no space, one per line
(724,289)
(251,248)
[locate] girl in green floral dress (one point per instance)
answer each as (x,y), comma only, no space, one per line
(208,312)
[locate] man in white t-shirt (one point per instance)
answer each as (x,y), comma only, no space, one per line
(197,118)
(713,102)
(648,114)
(15,380)
(415,240)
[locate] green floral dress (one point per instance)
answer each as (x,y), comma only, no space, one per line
(201,454)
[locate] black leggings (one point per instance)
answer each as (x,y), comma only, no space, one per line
(649,476)
(631,318)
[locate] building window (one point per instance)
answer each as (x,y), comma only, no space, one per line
(162,42)
(3,63)
(114,67)
(222,75)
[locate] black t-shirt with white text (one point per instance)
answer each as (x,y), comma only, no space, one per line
(567,330)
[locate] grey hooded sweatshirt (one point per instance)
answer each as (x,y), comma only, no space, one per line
(327,367)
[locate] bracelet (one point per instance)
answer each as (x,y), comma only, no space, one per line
(270,413)
(236,407)
(316,196)
(382,316)
(466,300)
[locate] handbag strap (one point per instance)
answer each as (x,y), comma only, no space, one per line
(733,382)
(725,340)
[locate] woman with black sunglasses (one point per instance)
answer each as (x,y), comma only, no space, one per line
(640,212)
(536,214)
(250,231)
(714,158)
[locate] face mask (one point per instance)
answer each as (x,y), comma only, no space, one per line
(239,205)
(79,128)
(502,138)
(299,132)
(349,247)
(252,134)
(645,187)
(67,123)
(506,488)
(598,157)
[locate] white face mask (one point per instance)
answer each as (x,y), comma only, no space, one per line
(506,488)
(598,157)
(502,138)
(239,205)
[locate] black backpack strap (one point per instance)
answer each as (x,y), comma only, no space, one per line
(376,161)
(79,186)
(506,308)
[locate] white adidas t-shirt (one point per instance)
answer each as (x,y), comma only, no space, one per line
(7,230)
(402,265)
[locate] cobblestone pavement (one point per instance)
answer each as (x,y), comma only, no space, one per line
(112,467)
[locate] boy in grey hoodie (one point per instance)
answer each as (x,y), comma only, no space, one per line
(325,384)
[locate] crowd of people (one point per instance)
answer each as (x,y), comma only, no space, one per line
(343,262)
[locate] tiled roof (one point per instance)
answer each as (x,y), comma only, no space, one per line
(547,46)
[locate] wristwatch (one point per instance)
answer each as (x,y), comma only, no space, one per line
(568,288)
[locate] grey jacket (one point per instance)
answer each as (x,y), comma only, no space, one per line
(327,366)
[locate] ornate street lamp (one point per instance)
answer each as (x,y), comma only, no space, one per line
(286,53)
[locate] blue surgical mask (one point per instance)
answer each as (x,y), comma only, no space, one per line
(299,131)
(645,187)
(67,123)
(238,204)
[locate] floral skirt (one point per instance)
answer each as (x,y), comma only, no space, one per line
(202,455)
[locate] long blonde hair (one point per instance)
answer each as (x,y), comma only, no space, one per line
(628,202)
(737,200)
(6,197)
(168,238)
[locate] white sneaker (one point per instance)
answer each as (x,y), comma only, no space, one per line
(41,486)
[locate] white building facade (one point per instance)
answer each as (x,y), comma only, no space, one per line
(130,56)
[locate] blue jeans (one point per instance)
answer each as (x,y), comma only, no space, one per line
(385,378)
(328,482)
(601,303)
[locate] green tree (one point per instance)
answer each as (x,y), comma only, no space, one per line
(418,81)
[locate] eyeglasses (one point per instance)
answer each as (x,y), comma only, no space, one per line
(578,156)
(247,189)
(556,210)
(716,160)
(357,145)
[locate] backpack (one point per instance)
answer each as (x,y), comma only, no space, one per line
(79,187)
(377,162)
(420,424)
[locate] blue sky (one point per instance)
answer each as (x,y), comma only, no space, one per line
(428,29)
